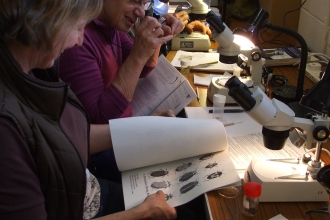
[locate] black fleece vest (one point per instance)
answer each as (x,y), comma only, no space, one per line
(35,106)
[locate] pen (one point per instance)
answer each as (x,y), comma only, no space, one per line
(197,93)
(204,64)
(231,123)
(280,159)
(230,111)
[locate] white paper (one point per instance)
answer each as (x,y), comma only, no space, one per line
(164,88)
(245,147)
(201,58)
(244,123)
(278,217)
(148,140)
(245,140)
(206,80)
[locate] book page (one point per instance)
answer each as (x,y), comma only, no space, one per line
(202,58)
(243,122)
(148,140)
(245,141)
(157,86)
(181,180)
(178,99)
(245,147)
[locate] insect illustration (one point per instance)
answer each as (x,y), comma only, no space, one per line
(187,176)
(184,166)
(189,186)
(159,185)
(168,196)
(158,173)
(211,165)
(213,175)
(206,156)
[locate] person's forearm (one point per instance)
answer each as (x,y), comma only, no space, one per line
(130,214)
(100,138)
(128,76)
(153,60)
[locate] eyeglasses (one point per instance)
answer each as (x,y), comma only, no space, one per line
(146,5)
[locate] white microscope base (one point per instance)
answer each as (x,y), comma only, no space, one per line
(284,190)
(194,42)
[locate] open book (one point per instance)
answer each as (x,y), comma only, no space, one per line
(183,157)
(164,88)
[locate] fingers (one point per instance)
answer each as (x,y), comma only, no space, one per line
(182,16)
(174,23)
(149,35)
(166,113)
(160,194)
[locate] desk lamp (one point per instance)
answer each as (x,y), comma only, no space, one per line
(251,30)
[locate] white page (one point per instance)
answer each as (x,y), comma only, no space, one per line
(178,99)
(203,81)
(147,140)
(200,176)
(245,140)
(201,58)
(150,92)
(245,147)
(246,123)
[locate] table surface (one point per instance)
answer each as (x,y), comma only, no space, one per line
(226,208)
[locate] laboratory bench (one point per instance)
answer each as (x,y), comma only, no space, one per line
(230,208)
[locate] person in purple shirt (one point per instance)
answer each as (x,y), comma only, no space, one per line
(104,71)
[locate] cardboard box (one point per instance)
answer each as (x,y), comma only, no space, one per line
(277,10)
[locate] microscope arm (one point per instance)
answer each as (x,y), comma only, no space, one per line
(307,126)
(198,6)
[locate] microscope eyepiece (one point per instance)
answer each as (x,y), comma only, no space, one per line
(240,93)
(215,22)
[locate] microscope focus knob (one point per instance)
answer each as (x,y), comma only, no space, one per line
(255,56)
(320,133)
(306,158)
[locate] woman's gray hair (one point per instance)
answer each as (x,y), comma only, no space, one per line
(37,23)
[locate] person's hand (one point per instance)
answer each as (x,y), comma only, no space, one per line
(182,16)
(172,24)
(198,26)
(166,113)
(149,35)
(157,207)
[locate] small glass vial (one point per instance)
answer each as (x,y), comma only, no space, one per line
(219,102)
(185,67)
(252,192)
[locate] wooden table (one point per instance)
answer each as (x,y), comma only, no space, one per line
(225,208)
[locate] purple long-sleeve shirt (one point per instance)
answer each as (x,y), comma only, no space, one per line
(91,69)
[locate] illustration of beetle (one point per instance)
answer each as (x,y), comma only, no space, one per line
(184,166)
(157,185)
(189,186)
(206,156)
(168,196)
(187,176)
(213,175)
(158,173)
(211,165)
